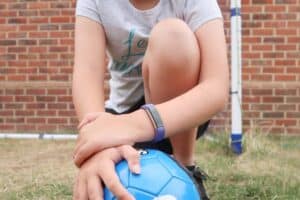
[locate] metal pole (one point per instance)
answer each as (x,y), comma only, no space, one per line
(236,77)
(42,136)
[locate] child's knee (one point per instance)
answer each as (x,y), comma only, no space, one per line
(172,42)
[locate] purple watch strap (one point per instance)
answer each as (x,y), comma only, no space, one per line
(157,122)
(159,134)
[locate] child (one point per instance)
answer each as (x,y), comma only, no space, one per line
(169,73)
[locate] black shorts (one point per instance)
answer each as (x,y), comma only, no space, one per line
(165,144)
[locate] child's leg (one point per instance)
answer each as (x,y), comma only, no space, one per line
(171,67)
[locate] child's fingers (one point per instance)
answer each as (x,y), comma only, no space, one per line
(132,156)
(112,182)
(78,146)
(82,123)
(94,188)
(80,189)
(85,151)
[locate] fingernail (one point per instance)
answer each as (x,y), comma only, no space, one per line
(136,169)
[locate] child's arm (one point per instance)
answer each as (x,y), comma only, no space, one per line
(211,94)
(89,67)
(188,110)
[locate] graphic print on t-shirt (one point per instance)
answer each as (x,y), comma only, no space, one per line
(135,50)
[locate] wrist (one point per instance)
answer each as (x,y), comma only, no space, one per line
(143,129)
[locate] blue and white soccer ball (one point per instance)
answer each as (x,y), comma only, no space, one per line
(161,178)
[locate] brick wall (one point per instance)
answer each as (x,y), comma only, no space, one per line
(36,58)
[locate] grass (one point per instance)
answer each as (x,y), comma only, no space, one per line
(268,169)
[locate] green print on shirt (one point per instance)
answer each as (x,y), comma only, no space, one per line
(123,64)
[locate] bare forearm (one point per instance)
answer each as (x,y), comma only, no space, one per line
(89,67)
(88,92)
(185,111)
(192,108)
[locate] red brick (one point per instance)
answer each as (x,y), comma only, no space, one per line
(58,106)
(14,91)
(251,99)
(48,113)
(293,130)
(285,32)
(6,127)
(47,127)
(39,20)
(252,114)
(285,47)
(38,5)
(286,16)
(38,120)
(285,77)
(19,20)
(17,49)
(285,107)
(28,27)
(293,70)
(36,106)
(25,127)
(273,115)
(59,34)
(262,47)
(60,20)
(16,77)
(293,114)
(6,112)
(6,98)
(59,78)
(273,55)
(64,98)
(14,106)
(57,91)
(37,78)
(285,92)
(273,8)
(273,70)
(28,13)
(14,120)
(36,91)
(293,40)
(24,113)
(286,122)
(57,121)
(262,92)
(38,34)
(262,107)
(66,113)
(264,77)
(45,98)
(8,13)
(293,99)
(60,5)
(273,99)
(24,98)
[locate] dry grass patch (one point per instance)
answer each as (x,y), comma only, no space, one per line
(268,169)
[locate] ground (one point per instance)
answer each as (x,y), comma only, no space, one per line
(268,168)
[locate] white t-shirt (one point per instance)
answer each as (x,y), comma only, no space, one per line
(127,30)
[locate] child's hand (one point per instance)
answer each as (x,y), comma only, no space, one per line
(101,167)
(90,117)
(105,131)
